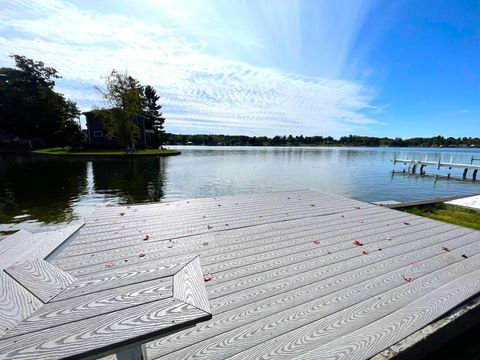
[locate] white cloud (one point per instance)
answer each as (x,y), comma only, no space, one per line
(201,92)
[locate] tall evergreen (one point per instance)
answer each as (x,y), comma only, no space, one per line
(151,111)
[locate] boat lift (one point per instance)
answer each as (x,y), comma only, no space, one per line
(414,164)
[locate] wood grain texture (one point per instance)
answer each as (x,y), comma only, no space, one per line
(307,223)
(42,279)
(16,303)
(13,240)
(68,311)
(117,279)
(288,280)
(36,246)
(378,335)
(102,333)
(306,338)
(189,211)
(189,286)
(289,310)
(226,248)
(165,231)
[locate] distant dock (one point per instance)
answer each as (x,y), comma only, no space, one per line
(296,274)
(420,165)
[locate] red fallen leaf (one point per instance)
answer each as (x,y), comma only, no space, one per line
(207,277)
(445,248)
(317,242)
(365,252)
(209,227)
(205,243)
(407,278)
(141,254)
(358,243)
(146,237)
(109,265)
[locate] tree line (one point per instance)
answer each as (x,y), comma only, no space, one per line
(31,109)
(351,140)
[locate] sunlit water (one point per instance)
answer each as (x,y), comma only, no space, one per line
(39,193)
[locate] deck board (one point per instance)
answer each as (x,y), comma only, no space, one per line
(13,240)
(287,279)
(42,279)
(81,265)
(16,303)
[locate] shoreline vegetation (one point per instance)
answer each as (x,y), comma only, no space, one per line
(453,214)
(68,152)
(351,140)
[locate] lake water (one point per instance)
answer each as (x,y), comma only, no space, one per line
(39,193)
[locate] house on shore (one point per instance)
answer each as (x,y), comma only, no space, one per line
(96,134)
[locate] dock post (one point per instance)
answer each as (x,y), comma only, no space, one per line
(136,352)
(465,173)
(439,157)
(474,176)
(414,168)
(422,172)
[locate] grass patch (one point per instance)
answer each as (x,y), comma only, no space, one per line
(68,152)
(452,214)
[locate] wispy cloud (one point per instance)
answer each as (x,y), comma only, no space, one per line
(204,88)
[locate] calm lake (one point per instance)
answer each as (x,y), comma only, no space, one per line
(39,193)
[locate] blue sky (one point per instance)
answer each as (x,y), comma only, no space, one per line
(314,67)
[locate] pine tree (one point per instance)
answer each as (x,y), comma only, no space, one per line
(151,111)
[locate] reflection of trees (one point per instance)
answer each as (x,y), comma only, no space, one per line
(132,180)
(42,188)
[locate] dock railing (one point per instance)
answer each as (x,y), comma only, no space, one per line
(414,164)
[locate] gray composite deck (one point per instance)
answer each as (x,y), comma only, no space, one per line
(297,274)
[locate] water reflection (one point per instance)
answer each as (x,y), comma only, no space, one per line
(130,181)
(39,189)
(35,191)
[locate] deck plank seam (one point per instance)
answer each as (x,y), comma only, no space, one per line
(334,244)
(312,227)
(256,319)
(329,264)
(253,245)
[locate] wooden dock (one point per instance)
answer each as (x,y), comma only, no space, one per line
(299,274)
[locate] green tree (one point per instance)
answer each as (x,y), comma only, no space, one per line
(151,112)
(29,106)
(124,95)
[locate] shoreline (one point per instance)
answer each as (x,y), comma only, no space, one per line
(62,153)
